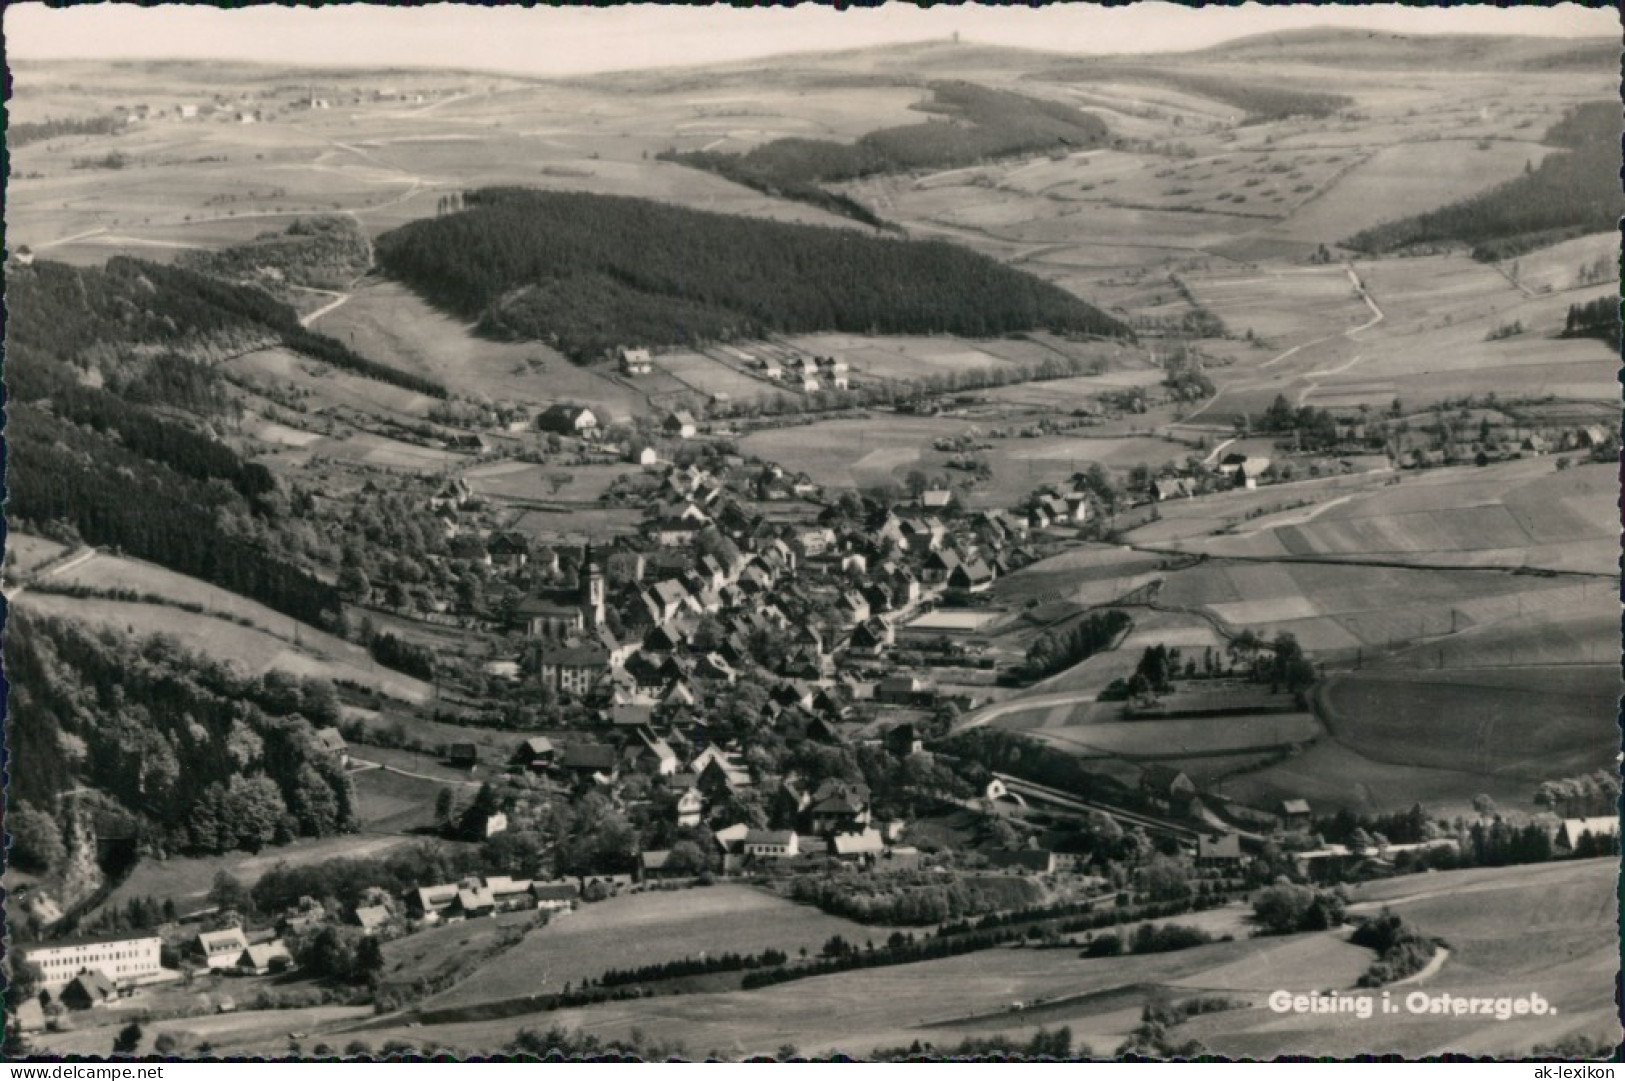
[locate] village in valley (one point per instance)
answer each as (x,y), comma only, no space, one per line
(796,687)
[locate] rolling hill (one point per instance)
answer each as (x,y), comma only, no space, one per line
(590,272)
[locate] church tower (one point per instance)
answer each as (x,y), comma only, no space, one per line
(592,589)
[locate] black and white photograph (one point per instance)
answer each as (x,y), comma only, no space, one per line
(908,532)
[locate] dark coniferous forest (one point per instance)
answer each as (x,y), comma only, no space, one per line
(590,272)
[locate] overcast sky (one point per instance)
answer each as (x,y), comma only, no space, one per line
(551,41)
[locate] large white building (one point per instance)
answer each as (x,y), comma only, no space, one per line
(126,960)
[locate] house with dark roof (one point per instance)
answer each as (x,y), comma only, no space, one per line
(772,844)
(573,420)
(587,761)
(839,807)
(1167,789)
(680,423)
(1221,850)
(88,990)
(972,576)
(537,752)
(508,549)
(574,669)
(263,959)
(1170,488)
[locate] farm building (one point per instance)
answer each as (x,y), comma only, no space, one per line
(573,420)
(1222,850)
(772,844)
(263,959)
(1295,813)
(553,896)
(635,361)
(537,752)
(680,423)
(1170,488)
(1034,861)
(88,990)
(508,549)
(372,918)
(462,755)
(221,949)
(863,846)
(973,576)
(1167,789)
(589,761)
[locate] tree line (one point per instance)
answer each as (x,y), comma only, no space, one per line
(1594,319)
(1056,650)
(592,272)
(21,134)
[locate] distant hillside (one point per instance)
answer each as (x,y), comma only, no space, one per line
(976,124)
(1374,50)
(101,368)
(590,272)
(1567,195)
(1259,99)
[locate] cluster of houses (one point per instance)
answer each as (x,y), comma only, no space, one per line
(836,589)
(832,818)
(809,374)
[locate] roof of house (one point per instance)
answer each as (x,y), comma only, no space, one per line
(576,657)
(594,756)
(95,984)
(555,891)
(1162,778)
(538,745)
(1223,846)
(571,413)
(471,899)
(330,739)
(371,917)
(229,940)
(1295,806)
(655,859)
(262,955)
(1026,859)
(770,837)
(858,844)
(438,896)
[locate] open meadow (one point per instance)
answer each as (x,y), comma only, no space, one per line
(228,628)
(647,928)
